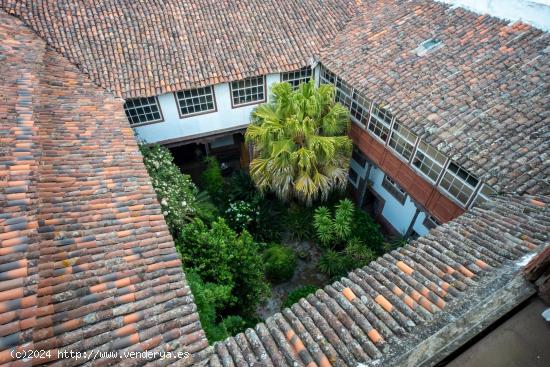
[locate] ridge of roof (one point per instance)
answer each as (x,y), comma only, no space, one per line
(86,258)
(380,314)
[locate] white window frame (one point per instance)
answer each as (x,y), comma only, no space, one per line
(151,101)
(404,140)
(196,94)
(235,87)
(297,77)
(463,183)
(378,121)
(433,222)
(482,195)
(356,182)
(431,158)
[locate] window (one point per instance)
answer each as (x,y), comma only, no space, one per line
(353,177)
(429,161)
(143,111)
(380,122)
(430,222)
(358,156)
(483,195)
(458,183)
(394,189)
(248,91)
(195,101)
(402,141)
(359,109)
(297,77)
(428,46)
(327,77)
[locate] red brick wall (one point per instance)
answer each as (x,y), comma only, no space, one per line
(421,191)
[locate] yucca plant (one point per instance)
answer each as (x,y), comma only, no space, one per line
(301,147)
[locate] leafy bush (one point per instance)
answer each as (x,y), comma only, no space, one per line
(365,229)
(269,225)
(241,187)
(298,222)
(334,230)
(358,254)
(294,296)
(223,257)
(333,263)
(212,180)
(234,324)
(280,263)
(241,215)
(175,191)
(209,298)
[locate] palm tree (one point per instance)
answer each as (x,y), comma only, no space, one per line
(301,147)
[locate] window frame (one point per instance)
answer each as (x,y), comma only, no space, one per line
(161,119)
(480,193)
(434,161)
(195,113)
(233,105)
(294,87)
(356,182)
(400,136)
(393,187)
(463,181)
(431,220)
(381,121)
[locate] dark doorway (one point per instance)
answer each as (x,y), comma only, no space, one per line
(373,203)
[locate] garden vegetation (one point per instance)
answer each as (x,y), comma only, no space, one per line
(236,234)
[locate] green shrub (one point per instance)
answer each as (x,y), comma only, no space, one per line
(212,180)
(241,215)
(280,263)
(223,257)
(333,263)
(294,296)
(366,230)
(299,223)
(358,254)
(268,225)
(241,187)
(179,198)
(234,324)
(209,298)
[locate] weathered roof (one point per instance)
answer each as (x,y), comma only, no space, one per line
(481,97)
(149,47)
(384,313)
(86,259)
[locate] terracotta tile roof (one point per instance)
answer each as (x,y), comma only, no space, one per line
(482,98)
(86,259)
(144,47)
(403,297)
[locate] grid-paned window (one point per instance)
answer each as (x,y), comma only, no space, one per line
(394,189)
(402,141)
(483,195)
(327,77)
(195,101)
(247,91)
(380,122)
(359,109)
(429,161)
(358,156)
(143,110)
(353,176)
(459,183)
(430,222)
(297,77)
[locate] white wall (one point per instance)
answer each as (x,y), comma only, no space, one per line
(174,127)
(534,12)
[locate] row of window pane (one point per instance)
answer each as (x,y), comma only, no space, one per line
(459,183)
(196,100)
(248,90)
(295,78)
(394,189)
(142,110)
(402,141)
(456,181)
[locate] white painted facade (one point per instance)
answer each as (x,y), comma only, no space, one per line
(534,12)
(225,118)
(397,214)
